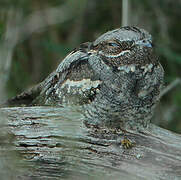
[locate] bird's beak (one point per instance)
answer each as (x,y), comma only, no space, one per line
(145,43)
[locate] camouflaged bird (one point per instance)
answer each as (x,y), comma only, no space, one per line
(117,79)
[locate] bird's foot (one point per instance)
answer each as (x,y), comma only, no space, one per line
(126,143)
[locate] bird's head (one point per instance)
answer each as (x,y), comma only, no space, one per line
(124,46)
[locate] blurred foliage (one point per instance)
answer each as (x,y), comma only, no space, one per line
(37,56)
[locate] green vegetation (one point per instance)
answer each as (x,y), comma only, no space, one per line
(37,54)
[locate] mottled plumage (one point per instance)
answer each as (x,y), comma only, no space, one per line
(117,79)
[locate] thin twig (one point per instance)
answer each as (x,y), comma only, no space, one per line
(125,12)
(172,85)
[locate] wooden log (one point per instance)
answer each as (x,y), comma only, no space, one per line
(53,143)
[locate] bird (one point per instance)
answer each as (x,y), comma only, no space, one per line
(116,79)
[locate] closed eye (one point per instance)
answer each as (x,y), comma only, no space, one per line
(113,44)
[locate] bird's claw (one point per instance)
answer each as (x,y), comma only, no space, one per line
(126,143)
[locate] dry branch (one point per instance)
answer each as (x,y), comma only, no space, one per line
(54,144)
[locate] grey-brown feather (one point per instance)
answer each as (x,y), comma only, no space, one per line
(117,79)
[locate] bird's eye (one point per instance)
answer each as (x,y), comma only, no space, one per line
(113,44)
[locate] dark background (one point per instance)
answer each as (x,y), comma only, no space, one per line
(36,35)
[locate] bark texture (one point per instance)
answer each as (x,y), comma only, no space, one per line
(53,143)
